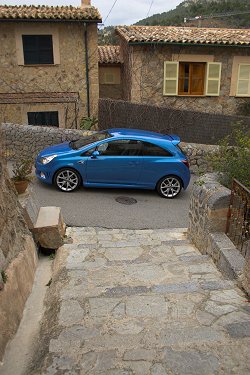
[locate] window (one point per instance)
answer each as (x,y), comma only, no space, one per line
(149,149)
(121,148)
(109,78)
(37,49)
(43,118)
(191,78)
(243,85)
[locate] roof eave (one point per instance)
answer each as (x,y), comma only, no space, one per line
(49,20)
(188,44)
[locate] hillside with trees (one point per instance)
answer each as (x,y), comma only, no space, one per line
(211,13)
(198,13)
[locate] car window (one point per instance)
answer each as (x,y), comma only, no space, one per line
(89,152)
(150,149)
(84,141)
(123,147)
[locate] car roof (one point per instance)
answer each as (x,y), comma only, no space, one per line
(123,132)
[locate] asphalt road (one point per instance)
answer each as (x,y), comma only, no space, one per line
(99,208)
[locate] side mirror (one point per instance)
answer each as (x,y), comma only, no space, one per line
(95,154)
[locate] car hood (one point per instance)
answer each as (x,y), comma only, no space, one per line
(56,149)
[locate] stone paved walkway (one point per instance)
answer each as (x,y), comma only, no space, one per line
(141,302)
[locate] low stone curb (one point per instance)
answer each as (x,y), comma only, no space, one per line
(228,259)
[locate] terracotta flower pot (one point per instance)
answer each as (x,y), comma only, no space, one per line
(21,186)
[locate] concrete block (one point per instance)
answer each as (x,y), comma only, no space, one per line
(49,229)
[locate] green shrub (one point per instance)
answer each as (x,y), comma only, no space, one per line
(234,161)
(88,122)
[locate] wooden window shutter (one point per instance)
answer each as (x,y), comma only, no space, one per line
(171,72)
(243,86)
(213,79)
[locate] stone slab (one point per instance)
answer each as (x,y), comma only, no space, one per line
(49,229)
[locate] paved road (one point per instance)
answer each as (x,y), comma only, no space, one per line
(99,208)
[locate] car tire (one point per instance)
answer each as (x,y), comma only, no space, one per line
(67,180)
(169,186)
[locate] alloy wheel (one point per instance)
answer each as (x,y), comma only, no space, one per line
(169,187)
(67,180)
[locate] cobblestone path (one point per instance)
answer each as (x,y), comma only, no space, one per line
(141,302)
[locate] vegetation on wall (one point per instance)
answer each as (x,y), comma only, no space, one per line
(234,161)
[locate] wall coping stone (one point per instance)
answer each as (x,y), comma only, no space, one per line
(207,222)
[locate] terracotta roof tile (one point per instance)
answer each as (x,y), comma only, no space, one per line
(185,35)
(109,54)
(43,13)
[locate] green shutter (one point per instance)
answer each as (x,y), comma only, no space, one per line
(171,72)
(213,79)
(243,86)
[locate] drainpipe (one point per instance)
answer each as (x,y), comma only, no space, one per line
(87,67)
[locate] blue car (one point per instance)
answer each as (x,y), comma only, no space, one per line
(117,158)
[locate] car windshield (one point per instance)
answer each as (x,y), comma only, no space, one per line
(84,141)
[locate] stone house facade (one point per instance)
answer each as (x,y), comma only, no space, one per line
(199,69)
(48,64)
(110,72)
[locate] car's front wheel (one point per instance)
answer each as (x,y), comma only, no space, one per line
(169,186)
(67,180)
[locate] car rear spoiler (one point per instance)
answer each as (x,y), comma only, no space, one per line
(175,139)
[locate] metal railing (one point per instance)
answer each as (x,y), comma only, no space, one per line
(238,220)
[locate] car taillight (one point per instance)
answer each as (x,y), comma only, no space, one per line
(186,163)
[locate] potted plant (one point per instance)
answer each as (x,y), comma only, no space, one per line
(22,174)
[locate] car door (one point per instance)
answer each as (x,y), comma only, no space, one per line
(119,163)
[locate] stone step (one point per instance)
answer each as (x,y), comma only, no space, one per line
(49,229)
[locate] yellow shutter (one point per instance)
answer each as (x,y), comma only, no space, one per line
(243,86)
(213,79)
(171,72)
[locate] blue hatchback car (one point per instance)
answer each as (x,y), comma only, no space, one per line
(117,158)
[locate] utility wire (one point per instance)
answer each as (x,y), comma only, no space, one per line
(216,15)
(110,11)
(152,2)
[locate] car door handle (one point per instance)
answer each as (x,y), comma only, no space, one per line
(133,162)
(81,162)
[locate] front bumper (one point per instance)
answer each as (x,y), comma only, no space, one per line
(43,173)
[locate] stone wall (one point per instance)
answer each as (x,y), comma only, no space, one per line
(190,125)
(23,141)
(18,259)
(146,74)
(207,225)
(66,76)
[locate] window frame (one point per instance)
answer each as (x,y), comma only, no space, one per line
(38,29)
(206,79)
(43,112)
(191,91)
(240,79)
(37,49)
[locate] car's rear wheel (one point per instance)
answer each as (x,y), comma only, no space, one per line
(67,180)
(169,186)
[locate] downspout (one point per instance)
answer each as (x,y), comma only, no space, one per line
(87,67)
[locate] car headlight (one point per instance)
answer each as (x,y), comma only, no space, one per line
(47,159)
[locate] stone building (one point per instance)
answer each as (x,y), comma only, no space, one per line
(198,69)
(110,72)
(48,64)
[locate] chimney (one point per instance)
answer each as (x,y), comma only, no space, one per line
(85,3)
